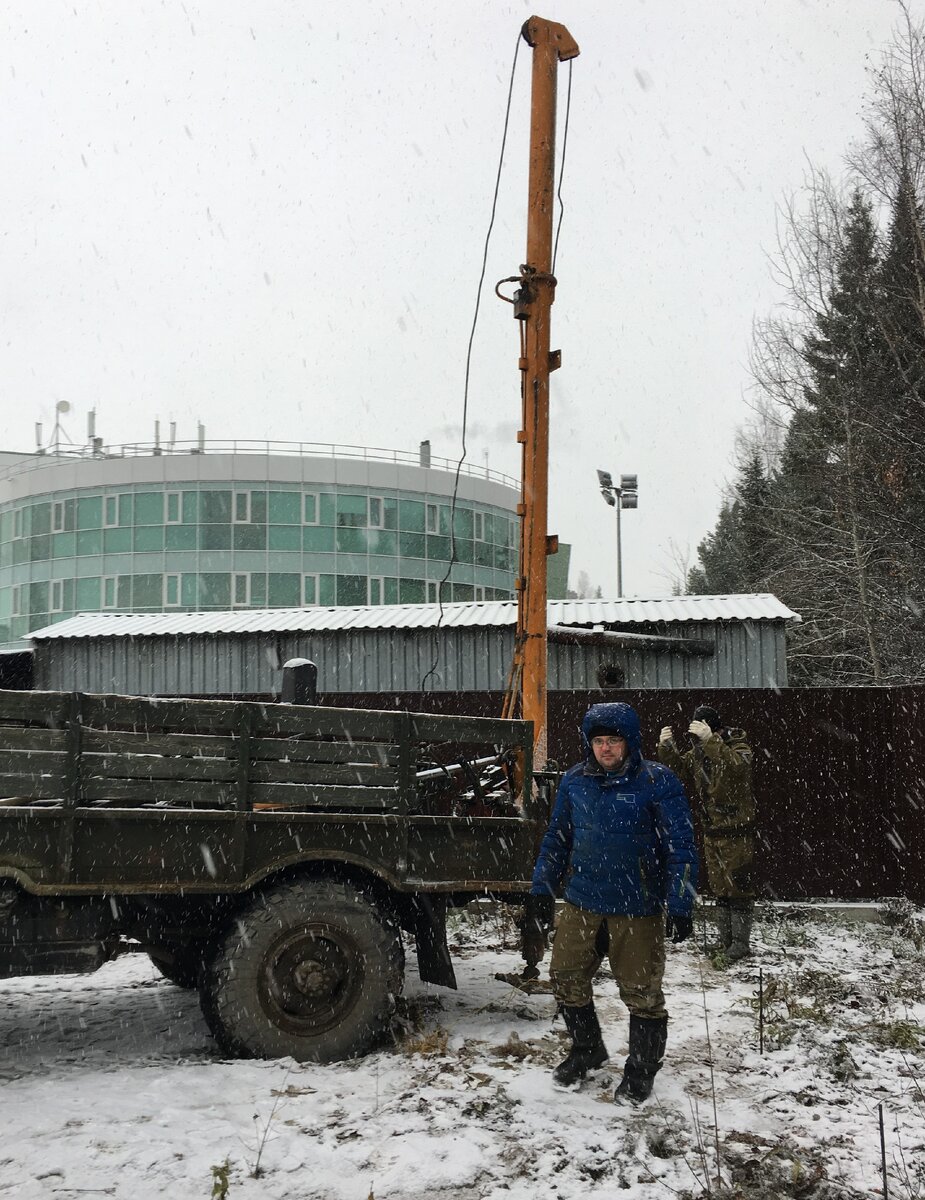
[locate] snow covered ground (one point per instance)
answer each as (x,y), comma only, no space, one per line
(113,1087)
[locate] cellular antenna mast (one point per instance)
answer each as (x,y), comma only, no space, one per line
(551,44)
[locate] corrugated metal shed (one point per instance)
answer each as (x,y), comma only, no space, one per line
(492,613)
(691,641)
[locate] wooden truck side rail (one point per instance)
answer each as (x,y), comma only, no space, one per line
(124,794)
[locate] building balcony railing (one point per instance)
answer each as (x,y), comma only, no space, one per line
(318,450)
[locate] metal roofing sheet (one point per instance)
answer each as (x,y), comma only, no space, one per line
(488,613)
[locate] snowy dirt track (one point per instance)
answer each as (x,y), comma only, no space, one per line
(112,1086)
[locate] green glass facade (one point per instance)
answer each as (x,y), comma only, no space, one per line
(204,545)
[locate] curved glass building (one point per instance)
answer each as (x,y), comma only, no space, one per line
(209,525)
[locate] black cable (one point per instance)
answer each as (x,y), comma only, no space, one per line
(568,105)
(465,416)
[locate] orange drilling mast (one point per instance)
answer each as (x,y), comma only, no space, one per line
(551,43)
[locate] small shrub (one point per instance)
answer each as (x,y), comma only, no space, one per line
(842,1064)
(898,1035)
(220,1180)
(432,1044)
(516,1047)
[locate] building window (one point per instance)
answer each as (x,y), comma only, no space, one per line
(433,591)
(171,591)
(433,518)
(309,590)
(17,597)
(242,508)
(173,508)
(479,592)
(109,589)
(375,516)
(110,512)
(310,508)
(57,520)
(17,523)
(57,595)
(478,526)
(374,589)
(240,589)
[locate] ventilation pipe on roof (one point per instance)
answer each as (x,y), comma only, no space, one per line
(300,682)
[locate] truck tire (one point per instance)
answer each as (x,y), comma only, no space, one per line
(180,964)
(309,971)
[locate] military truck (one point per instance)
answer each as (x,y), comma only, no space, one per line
(271,855)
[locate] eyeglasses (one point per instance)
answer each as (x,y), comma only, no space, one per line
(600,742)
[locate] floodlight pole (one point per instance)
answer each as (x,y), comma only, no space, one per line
(617,508)
(624,494)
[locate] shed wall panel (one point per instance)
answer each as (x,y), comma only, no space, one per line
(470,658)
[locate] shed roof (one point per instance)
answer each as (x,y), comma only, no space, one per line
(488,613)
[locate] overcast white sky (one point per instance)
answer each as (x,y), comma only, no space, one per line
(269,216)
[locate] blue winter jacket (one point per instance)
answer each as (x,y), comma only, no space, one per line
(619,842)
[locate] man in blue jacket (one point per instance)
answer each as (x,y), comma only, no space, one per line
(620,848)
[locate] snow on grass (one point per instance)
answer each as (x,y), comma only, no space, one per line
(112,1086)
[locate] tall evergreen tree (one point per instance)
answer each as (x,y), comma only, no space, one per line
(735,557)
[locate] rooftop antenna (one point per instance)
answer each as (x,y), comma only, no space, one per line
(201,437)
(39,448)
(157,437)
(173,434)
(61,408)
(91,425)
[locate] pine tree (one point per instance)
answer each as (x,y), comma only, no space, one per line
(735,557)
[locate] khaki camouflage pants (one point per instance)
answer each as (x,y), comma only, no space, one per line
(729,863)
(636,953)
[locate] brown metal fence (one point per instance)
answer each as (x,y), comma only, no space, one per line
(839,774)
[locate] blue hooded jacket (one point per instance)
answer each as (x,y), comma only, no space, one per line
(619,842)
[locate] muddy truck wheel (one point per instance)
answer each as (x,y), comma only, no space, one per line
(180,964)
(310,970)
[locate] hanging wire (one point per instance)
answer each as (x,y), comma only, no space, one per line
(568,105)
(465,412)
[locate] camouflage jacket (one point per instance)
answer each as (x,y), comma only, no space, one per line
(719,773)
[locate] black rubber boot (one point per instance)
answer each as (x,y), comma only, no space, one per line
(741,915)
(588,1050)
(647,1049)
(723,923)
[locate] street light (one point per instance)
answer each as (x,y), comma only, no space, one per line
(625,494)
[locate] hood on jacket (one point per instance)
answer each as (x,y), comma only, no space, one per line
(618,717)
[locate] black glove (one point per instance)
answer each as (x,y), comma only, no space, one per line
(540,911)
(679,929)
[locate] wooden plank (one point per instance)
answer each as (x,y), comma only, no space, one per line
(33,787)
(305,795)
(334,773)
(48,708)
(344,723)
(31,737)
(145,713)
(32,762)
(242,766)
(194,745)
(153,766)
(488,730)
(304,750)
(177,792)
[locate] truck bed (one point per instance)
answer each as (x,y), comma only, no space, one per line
(105,794)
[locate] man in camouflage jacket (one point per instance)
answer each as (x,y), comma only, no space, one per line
(717,769)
